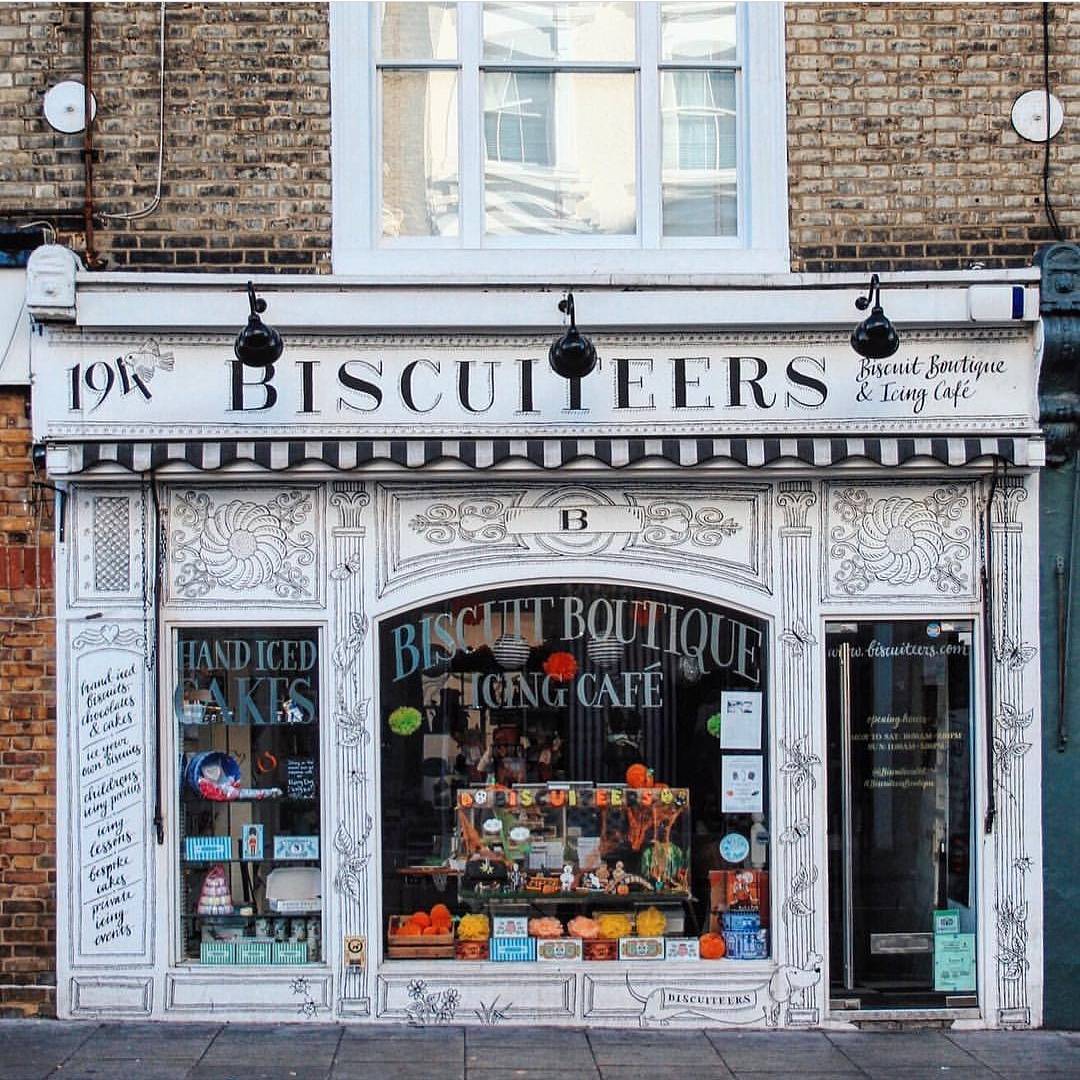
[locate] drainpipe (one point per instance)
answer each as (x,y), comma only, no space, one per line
(92,260)
(1059,417)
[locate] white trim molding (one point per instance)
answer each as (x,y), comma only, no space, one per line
(762,243)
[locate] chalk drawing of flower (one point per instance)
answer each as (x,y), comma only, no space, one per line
(901,541)
(243,545)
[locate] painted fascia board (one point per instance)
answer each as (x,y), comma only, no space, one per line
(193,306)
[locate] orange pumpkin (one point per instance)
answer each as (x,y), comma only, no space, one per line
(421,919)
(639,776)
(410,929)
(440,912)
(431,931)
(712,946)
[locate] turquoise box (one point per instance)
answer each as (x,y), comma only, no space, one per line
(512,949)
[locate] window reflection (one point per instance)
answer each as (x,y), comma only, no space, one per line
(418,31)
(572,32)
(699,153)
(560,155)
(420,153)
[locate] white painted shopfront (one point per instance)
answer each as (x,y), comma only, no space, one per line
(733,488)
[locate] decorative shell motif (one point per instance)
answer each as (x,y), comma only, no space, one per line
(243,545)
(901,541)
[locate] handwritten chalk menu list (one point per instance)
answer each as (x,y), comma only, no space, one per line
(111,777)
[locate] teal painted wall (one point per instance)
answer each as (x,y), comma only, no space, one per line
(1061,771)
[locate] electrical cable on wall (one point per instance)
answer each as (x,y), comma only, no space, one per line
(151,206)
(1051,216)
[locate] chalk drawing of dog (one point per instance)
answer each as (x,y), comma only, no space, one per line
(789,980)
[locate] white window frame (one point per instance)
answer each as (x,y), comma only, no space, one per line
(760,247)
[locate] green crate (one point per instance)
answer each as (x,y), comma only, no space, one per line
(254,951)
(290,952)
(217,952)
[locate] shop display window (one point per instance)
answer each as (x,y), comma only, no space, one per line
(246,703)
(575,772)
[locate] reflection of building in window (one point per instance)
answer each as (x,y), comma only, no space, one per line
(699,152)
(703,134)
(518,117)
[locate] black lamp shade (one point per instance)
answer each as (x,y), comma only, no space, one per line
(875,338)
(573,355)
(257,345)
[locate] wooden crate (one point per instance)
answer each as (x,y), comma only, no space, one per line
(432,947)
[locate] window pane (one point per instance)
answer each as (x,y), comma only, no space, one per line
(420,153)
(521,731)
(699,153)
(418,31)
(697,32)
(518,114)
(560,154)
(246,703)
(572,32)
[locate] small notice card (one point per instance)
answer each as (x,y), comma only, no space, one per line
(740,720)
(743,784)
(954,961)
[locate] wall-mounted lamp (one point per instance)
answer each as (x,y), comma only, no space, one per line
(875,337)
(257,345)
(573,355)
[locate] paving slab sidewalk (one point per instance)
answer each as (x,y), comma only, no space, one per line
(67,1050)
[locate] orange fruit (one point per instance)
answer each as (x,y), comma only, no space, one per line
(440,912)
(421,919)
(410,929)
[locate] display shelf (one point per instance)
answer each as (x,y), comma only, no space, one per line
(205,863)
(194,916)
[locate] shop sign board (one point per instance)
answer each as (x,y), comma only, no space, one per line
(110,837)
(96,385)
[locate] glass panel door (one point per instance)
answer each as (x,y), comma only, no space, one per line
(901,875)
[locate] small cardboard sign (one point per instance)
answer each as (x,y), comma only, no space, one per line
(355,950)
(641,948)
(510,926)
(556,949)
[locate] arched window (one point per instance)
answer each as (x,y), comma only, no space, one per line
(567,752)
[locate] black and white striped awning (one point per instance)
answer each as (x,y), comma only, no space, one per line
(347,454)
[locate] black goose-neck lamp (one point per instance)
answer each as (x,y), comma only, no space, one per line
(875,337)
(572,356)
(257,345)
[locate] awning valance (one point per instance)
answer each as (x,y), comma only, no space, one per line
(616,453)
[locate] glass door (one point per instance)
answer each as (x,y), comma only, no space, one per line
(901,874)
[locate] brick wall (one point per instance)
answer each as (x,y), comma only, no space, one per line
(27,726)
(247,130)
(901,151)
(900,146)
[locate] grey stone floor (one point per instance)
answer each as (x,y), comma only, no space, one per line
(35,1049)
